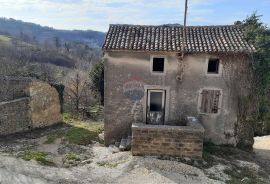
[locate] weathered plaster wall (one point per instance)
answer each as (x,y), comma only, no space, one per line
(26,104)
(123,67)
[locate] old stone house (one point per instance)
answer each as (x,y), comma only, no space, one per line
(148,82)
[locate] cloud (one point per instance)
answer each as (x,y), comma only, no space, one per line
(98,14)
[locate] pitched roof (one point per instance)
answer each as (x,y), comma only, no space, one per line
(200,39)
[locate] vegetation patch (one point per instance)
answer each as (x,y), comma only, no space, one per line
(107,164)
(236,181)
(72,156)
(79,132)
(225,151)
(4,39)
(80,136)
(38,156)
(52,137)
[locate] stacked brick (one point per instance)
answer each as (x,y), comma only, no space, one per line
(180,141)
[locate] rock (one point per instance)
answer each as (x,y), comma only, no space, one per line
(88,161)
(123,145)
(117,144)
(186,159)
(101,136)
(128,145)
(245,179)
(113,148)
(196,163)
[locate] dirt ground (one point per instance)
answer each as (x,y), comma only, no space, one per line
(94,163)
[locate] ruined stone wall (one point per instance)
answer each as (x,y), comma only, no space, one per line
(181,141)
(45,105)
(13,88)
(15,116)
(26,104)
(182,98)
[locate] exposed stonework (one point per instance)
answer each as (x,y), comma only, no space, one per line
(26,104)
(15,116)
(181,141)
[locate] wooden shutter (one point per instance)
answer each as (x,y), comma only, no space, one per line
(210,101)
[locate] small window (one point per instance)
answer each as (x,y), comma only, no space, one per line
(210,100)
(158,64)
(213,66)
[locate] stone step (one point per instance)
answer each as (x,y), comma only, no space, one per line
(123,144)
(129,143)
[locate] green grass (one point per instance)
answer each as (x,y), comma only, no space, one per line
(80,132)
(38,156)
(107,164)
(80,136)
(53,136)
(72,156)
(4,39)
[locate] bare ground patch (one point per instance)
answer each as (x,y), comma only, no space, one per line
(72,153)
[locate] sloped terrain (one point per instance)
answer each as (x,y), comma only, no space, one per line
(72,153)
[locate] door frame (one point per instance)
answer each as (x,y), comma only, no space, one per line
(166,90)
(149,91)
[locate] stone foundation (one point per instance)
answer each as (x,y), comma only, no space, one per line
(180,141)
(26,104)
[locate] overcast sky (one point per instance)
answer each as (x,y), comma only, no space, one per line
(98,14)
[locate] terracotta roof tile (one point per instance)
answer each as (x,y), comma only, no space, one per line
(207,39)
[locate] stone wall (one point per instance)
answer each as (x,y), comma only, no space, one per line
(26,104)
(181,141)
(45,105)
(15,116)
(13,88)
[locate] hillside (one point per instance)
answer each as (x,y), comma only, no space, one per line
(46,34)
(44,61)
(14,49)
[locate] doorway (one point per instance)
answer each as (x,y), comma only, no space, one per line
(155,113)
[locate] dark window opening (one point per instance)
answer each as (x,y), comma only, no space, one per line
(213,66)
(158,64)
(210,101)
(156,101)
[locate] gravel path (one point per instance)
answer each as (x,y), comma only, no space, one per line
(106,168)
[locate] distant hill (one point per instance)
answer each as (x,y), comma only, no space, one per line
(43,33)
(15,50)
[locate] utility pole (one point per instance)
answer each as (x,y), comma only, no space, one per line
(179,77)
(184,29)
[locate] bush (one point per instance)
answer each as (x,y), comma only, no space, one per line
(97,78)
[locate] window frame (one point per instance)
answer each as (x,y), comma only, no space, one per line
(152,62)
(219,102)
(220,67)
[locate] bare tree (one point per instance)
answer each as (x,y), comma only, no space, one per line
(77,85)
